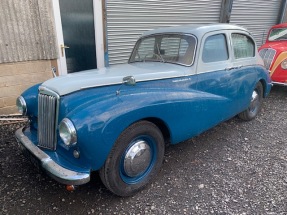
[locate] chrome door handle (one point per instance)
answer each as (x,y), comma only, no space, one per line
(63,47)
(229,68)
(234,67)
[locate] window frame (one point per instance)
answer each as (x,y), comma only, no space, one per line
(215,66)
(226,46)
(270,32)
(232,45)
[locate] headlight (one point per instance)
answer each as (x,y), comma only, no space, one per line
(284,64)
(68,132)
(21,105)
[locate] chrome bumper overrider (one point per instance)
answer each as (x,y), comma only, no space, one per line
(57,172)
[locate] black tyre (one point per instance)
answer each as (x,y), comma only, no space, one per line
(255,104)
(134,160)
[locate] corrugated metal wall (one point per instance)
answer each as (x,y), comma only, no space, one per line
(257,16)
(26,31)
(126,20)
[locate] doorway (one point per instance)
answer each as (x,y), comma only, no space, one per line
(79,32)
(79,46)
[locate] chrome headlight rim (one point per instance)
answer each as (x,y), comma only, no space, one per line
(67,132)
(21,105)
(284,64)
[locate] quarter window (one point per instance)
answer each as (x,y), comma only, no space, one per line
(243,46)
(215,49)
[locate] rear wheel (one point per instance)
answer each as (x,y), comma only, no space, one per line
(255,104)
(134,160)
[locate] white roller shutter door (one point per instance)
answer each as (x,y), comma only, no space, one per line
(256,15)
(128,19)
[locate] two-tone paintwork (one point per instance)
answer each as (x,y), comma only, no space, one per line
(277,73)
(183,101)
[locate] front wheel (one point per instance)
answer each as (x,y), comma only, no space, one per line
(255,104)
(134,160)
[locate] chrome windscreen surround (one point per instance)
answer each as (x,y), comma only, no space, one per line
(48,111)
(267,56)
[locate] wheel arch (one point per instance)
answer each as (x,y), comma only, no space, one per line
(264,85)
(162,127)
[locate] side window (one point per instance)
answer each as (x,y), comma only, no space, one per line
(243,46)
(215,49)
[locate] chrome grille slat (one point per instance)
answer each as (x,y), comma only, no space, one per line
(268,56)
(48,104)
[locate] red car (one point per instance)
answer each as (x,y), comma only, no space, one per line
(274,53)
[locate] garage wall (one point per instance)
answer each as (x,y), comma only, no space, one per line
(26,31)
(127,20)
(17,77)
(256,15)
(27,47)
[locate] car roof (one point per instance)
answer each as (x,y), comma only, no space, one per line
(282,25)
(197,30)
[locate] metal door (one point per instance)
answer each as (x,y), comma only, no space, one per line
(79,34)
(127,20)
(257,16)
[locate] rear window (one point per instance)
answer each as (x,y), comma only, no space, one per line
(243,46)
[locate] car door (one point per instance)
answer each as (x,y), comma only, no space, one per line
(214,77)
(243,73)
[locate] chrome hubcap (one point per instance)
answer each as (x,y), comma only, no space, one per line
(137,159)
(254,101)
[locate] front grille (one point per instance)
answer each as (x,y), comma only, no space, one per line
(267,55)
(48,105)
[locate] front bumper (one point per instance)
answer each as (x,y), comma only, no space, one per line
(57,172)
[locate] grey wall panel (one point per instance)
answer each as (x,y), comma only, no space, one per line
(256,15)
(127,20)
(26,31)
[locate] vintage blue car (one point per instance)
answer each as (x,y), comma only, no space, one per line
(178,82)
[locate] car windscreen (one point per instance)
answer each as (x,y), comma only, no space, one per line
(278,34)
(167,48)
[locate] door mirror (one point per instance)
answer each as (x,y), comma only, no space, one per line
(129,80)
